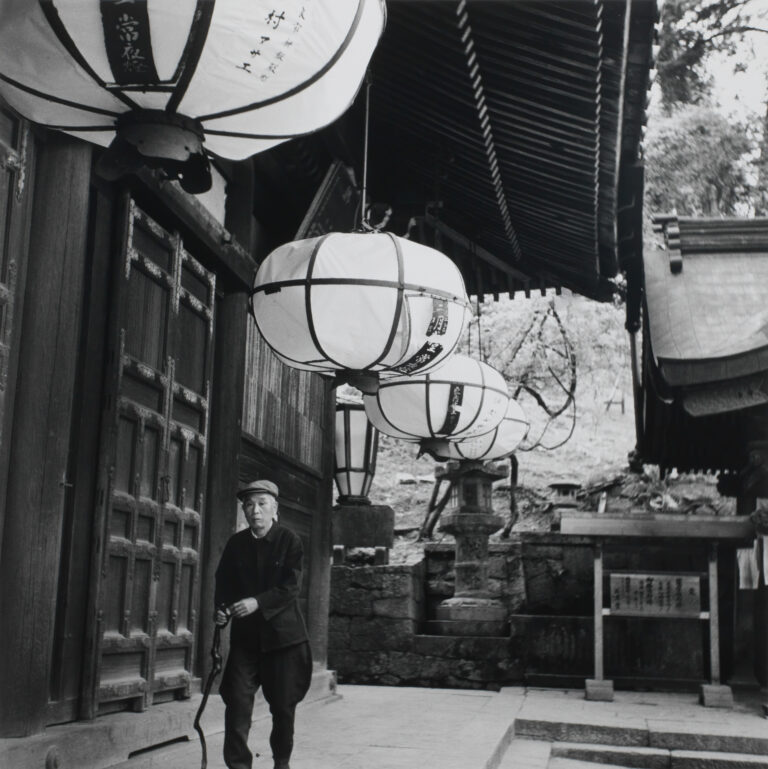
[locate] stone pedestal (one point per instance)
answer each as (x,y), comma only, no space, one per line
(363,525)
(470,519)
(598,690)
(716,696)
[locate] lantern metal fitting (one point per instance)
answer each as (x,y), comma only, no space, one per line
(361,305)
(156,139)
(463,399)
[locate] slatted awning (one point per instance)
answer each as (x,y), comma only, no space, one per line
(508,128)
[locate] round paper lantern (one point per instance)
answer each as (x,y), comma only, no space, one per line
(464,398)
(497,444)
(356,444)
(360,302)
(237,75)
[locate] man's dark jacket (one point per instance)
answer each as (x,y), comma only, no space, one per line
(269,570)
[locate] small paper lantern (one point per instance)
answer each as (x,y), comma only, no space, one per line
(497,444)
(464,398)
(360,302)
(356,444)
(239,75)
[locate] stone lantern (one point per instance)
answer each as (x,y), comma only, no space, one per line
(470,519)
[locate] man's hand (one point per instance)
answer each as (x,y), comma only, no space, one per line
(221,617)
(244,607)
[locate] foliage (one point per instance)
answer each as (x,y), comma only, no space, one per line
(697,164)
(544,347)
(693,30)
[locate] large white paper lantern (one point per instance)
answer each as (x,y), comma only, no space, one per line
(239,75)
(497,444)
(464,398)
(360,302)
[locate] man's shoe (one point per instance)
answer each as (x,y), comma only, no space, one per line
(282,763)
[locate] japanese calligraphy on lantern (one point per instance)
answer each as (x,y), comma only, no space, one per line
(658,595)
(281,29)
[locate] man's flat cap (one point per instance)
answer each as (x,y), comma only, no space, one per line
(258,487)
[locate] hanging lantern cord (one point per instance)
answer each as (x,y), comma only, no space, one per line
(364,215)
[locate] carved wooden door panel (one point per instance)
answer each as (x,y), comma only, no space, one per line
(153,479)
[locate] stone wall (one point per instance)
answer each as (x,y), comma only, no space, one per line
(380,617)
(376,615)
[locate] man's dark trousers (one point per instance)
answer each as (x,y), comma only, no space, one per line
(284,675)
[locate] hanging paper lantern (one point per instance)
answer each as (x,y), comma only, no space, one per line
(356,444)
(173,79)
(360,302)
(464,398)
(497,444)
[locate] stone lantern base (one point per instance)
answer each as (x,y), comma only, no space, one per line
(471,611)
(472,616)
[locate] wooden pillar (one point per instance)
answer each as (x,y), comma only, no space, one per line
(714,694)
(319,560)
(37,483)
(761,628)
(598,610)
(224,446)
(226,409)
(598,688)
(754,485)
(714,618)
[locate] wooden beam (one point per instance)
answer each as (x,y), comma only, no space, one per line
(473,247)
(220,251)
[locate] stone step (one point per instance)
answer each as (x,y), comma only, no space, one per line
(702,737)
(700,759)
(676,759)
(525,754)
(641,757)
(565,731)
(574,763)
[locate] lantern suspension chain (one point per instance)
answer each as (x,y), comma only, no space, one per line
(364,216)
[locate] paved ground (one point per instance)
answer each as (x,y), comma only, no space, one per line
(369,727)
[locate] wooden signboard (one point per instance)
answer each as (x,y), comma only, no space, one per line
(655,595)
(335,205)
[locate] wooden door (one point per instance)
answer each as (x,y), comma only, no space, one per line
(153,478)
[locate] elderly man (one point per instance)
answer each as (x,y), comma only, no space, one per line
(257,584)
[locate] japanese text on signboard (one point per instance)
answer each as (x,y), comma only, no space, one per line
(661,595)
